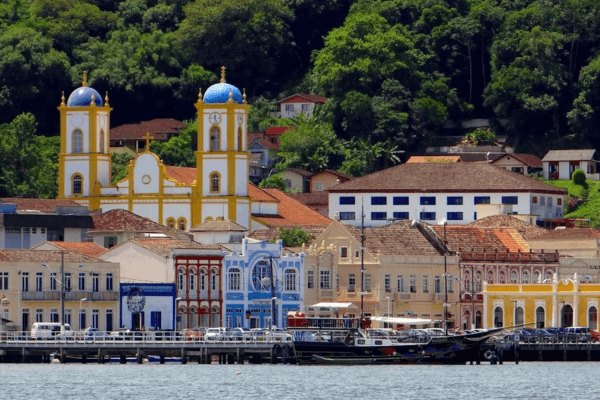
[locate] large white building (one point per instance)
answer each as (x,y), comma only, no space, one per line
(459,192)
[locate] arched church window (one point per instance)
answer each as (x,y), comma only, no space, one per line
(215,183)
(171,223)
(77,141)
(181,223)
(77,184)
(215,139)
(101,149)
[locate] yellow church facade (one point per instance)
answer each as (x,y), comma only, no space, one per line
(554,303)
(173,196)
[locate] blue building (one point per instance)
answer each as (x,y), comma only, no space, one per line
(251,276)
(147,306)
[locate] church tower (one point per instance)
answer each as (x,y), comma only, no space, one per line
(222,158)
(84,164)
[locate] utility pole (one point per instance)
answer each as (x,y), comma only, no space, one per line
(62,292)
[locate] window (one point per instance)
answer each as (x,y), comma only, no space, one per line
(400,200)
(378,201)
(181,279)
(171,223)
(305,107)
(77,184)
(3,280)
(347,216)
(261,270)
(525,277)
(428,200)
(367,282)
(454,216)
(351,282)
(437,287)
(234,281)
(425,284)
(549,203)
(95,315)
(310,281)
(53,315)
(542,201)
(454,200)
(215,139)
(510,200)
(514,277)
(289,107)
(400,283)
(378,216)
(215,181)
(213,280)
(82,324)
(109,282)
(38,282)
(192,281)
(290,279)
(25,281)
(203,279)
(400,215)
(39,315)
(95,282)
(77,141)
(450,286)
(325,281)
(182,224)
(518,170)
(534,199)
(81,281)
(337,282)
(347,200)
(481,200)
(427,216)
(53,281)
(319,186)
(110,241)
(387,283)
(343,252)
(109,320)
(559,202)
(413,284)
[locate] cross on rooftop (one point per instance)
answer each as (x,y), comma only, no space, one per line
(148,139)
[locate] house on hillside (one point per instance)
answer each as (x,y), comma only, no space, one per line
(326,179)
(458,192)
(523,164)
(132,135)
(25,223)
(560,164)
(434,159)
(296,180)
(299,103)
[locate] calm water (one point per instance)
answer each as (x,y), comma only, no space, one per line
(192,381)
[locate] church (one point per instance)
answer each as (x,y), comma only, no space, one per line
(178,197)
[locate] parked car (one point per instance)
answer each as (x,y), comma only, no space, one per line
(126,334)
(194,334)
(576,334)
(239,333)
(278,334)
(94,335)
(51,330)
(215,334)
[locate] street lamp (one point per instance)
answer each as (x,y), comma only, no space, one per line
(443,222)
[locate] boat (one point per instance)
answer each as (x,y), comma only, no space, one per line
(346,341)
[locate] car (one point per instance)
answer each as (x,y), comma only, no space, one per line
(194,334)
(126,334)
(215,334)
(94,335)
(279,335)
(239,333)
(577,334)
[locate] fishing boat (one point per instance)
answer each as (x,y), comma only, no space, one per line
(347,341)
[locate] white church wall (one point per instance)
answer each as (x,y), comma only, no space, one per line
(243,214)
(76,165)
(146,174)
(104,171)
(179,190)
(210,165)
(148,210)
(138,264)
(177,210)
(215,210)
(241,174)
(78,120)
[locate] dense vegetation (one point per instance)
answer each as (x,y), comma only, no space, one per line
(393,70)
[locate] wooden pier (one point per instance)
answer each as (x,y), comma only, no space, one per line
(498,353)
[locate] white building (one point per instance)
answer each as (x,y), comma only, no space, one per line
(459,192)
(560,164)
(299,103)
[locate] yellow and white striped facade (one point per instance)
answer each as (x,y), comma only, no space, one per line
(220,187)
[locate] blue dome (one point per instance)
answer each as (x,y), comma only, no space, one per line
(219,93)
(82,97)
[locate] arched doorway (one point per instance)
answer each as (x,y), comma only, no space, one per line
(466,320)
(519,316)
(593,318)
(540,317)
(478,324)
(181,318)
(566,316)
(498,317)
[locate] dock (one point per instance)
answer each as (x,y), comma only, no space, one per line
(538,352)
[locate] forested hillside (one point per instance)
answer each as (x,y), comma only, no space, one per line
(394,71)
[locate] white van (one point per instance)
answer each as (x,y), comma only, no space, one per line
(50,330)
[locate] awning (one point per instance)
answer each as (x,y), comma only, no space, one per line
(333,305)
(405,321)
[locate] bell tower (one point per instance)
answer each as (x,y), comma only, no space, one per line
(84,165)
(222,159)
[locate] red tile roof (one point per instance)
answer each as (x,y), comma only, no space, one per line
(40,205)
(46,256)
(164,246)
(315,198)
(570,234)
(467,239)
(86,248)
(259,194)
(182,174)
(158,128)
(275,233)
(314,98)
(218,225)
(433,159)
(528,159)
(335,173)
(278,130)
(266,143)
(126,221)
(448,178)
(526,230)
(299,171)
(291,212)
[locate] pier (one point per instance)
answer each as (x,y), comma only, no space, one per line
(141,347)
(498,353)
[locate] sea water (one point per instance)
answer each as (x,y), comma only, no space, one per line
(194,381)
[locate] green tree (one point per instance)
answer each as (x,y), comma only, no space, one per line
(119,165)
(584,117)
(294,237)
(259,116)
(273,181)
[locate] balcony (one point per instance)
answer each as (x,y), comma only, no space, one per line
(54,295)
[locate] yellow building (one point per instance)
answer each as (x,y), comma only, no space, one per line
(30,286)
(557,303)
